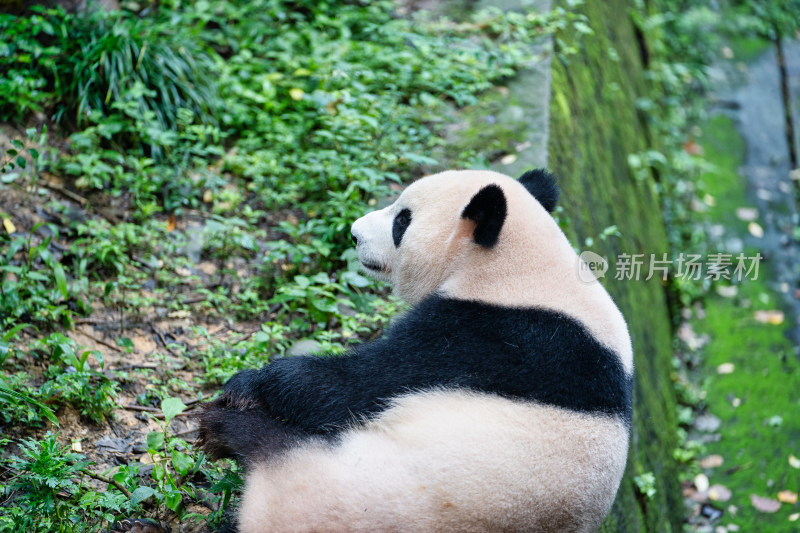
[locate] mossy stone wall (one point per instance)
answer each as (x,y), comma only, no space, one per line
(594,125)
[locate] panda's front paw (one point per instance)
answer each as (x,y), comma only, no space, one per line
(242,391)
(247,435)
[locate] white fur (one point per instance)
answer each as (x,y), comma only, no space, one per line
(446,461)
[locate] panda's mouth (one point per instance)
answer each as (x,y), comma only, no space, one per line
(375,267)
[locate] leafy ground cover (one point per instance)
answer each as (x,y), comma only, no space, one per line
(178,183)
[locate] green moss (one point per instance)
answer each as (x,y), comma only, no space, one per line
(747,49)
(765,383)
(594,125)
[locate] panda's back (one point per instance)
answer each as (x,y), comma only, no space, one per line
(530,354)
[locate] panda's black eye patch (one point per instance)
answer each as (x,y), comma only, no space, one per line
(400,225)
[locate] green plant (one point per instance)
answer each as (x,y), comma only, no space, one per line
(48,492)
(34,283)
(18,406)
(153,66)
(14,158)
(28,59)
(171,464)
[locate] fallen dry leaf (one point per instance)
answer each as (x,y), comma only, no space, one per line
(692,148)
(508,159)
(712,461)
(773,316)
(765,505)
(9,226)
(787,496)
(727,291)
(748,214)
(701,482)
(719,493)
(794,462)
(755,230)
(726,368)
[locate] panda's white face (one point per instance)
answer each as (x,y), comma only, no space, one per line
(414,242)
(422,244)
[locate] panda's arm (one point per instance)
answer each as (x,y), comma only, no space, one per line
(532,354)
(323,394)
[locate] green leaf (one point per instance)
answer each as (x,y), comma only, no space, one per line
(125,342)
(141,494)
(173,500)
(324,306)
(182,462)
(355,279)
(61,279)
(7,336)
(171,407)
(155,441)
(46,411)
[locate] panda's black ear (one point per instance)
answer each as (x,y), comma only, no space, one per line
(542,185)
(488,210)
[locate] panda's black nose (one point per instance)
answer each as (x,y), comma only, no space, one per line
(355,239)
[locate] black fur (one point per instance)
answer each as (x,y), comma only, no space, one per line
(400,225)
(542,185)
(488,209)
(246,433)
(530,354)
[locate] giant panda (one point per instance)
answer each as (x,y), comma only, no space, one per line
(502,401)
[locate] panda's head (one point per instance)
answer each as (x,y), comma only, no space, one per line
(458,223)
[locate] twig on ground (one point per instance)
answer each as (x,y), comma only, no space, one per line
(108,480)
(158,413)
(162,340)
(140,365)
(66,192)
(100,341)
